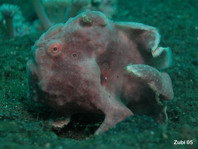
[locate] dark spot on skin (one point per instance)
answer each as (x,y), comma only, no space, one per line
(117,76)
(74,55)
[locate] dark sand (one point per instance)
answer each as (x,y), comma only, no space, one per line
(24,124)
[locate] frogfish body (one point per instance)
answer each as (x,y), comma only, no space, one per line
(94,65)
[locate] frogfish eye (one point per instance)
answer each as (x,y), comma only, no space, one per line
(55,49)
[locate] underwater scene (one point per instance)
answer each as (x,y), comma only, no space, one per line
(102,74)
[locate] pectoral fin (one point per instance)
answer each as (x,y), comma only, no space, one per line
(159,82)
